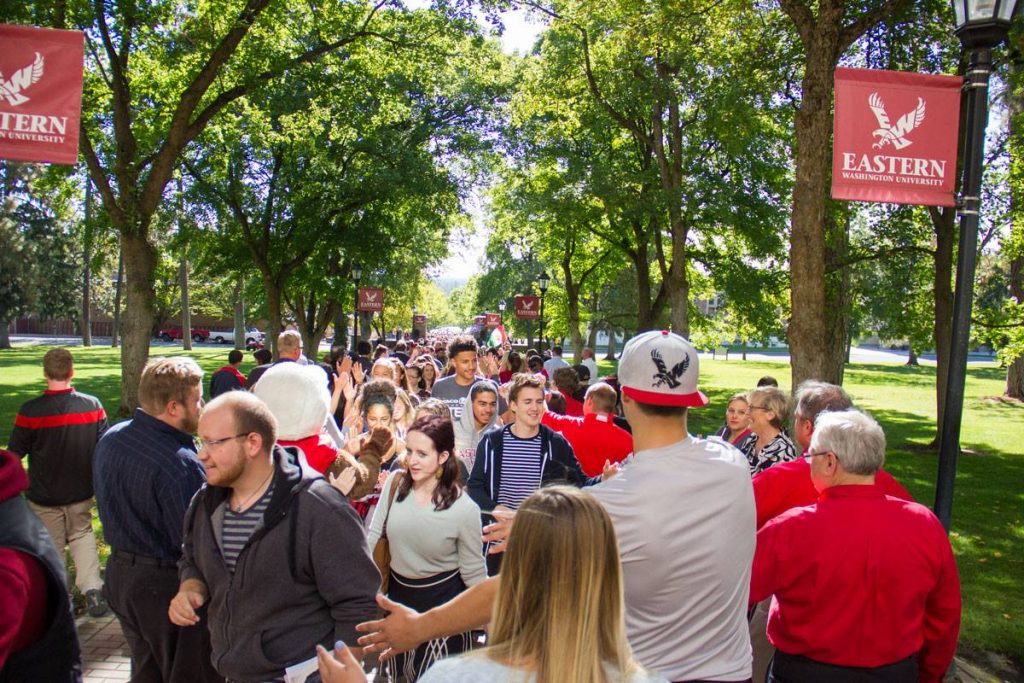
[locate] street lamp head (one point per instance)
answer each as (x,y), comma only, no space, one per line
(357,271)
(501,305)
(983,23)
(543,281)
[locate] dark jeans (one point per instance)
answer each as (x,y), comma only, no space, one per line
(787,668)
(139,591)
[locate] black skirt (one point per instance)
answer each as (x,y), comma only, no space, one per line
(422,595)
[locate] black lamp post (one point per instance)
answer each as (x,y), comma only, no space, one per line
(542,282)
(357,273)
(980,25)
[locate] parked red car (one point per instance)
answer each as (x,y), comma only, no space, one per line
(171,333)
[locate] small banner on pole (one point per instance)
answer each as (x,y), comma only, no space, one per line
(895,137)
(419,320)
(40,94)
(479,319)
(527,307)
(493,319)
(371,299)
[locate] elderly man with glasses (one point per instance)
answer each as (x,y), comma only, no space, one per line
(865,585)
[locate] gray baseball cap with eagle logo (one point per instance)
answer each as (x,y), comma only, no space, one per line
(661,368)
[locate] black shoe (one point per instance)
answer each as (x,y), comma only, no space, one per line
(95,603)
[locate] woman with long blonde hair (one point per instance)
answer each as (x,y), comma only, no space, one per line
(558,617)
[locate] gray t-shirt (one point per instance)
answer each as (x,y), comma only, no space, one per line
(454,395)
(476,667)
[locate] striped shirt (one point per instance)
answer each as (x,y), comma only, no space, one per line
(521,468)
(239,527)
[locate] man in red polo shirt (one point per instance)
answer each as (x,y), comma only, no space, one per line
(865,585)
(788,485)
(595,438)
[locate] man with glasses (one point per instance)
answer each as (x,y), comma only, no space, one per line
(865,585)
(145,472)
(277,552)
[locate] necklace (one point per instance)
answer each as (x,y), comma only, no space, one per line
(259,489)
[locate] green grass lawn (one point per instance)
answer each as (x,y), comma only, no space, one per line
(988,511)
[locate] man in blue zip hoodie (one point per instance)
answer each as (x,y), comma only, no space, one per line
(513,462)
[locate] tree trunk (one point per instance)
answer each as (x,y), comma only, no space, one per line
(1015,379)
(838,295)
(138,317)
(810,350)
(5,334)
(592,335)
(611,344)
(572,304)
(678,287)
(87,269)
(186,312)
(115,332)
(912,358)
(240,332)
(273,312)
(340,326)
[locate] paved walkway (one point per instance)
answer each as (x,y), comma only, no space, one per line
(105,656)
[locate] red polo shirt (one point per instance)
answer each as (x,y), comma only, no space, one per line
(788,485)
(860,579)
(594,438)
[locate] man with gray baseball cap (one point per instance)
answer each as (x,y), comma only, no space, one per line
(683,510)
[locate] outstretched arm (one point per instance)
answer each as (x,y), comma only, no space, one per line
(404,629)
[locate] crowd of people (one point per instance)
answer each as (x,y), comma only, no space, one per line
(449,512)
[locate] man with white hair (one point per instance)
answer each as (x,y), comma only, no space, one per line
(865,584)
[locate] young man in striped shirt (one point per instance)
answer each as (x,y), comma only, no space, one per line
(513,462)
(275,552)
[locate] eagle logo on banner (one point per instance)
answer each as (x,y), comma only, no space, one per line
(664,375)
(887,133)
(23,78)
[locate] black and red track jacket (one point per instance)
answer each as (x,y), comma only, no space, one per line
(58,432)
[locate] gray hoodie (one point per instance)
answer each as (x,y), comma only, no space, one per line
(466,435)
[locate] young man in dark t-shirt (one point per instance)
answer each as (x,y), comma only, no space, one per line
(228,378)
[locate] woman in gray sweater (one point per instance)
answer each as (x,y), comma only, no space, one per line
(433,530)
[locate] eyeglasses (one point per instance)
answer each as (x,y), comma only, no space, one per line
(809,456)
(213,443)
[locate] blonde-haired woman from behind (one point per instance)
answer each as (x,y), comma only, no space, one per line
(558,617)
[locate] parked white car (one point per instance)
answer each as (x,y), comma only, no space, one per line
(252,336)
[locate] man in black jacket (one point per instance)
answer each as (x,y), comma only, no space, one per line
(276,551)
(58,432)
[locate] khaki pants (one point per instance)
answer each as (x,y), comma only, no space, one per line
(71,526)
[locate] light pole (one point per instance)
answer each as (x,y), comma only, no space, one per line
(980,25)
(542,282)
(357,273)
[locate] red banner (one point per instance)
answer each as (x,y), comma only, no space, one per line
(419,320)
(493,319)
(40,94)
(527,307)
(895,137)
(479,319)
(371,299)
